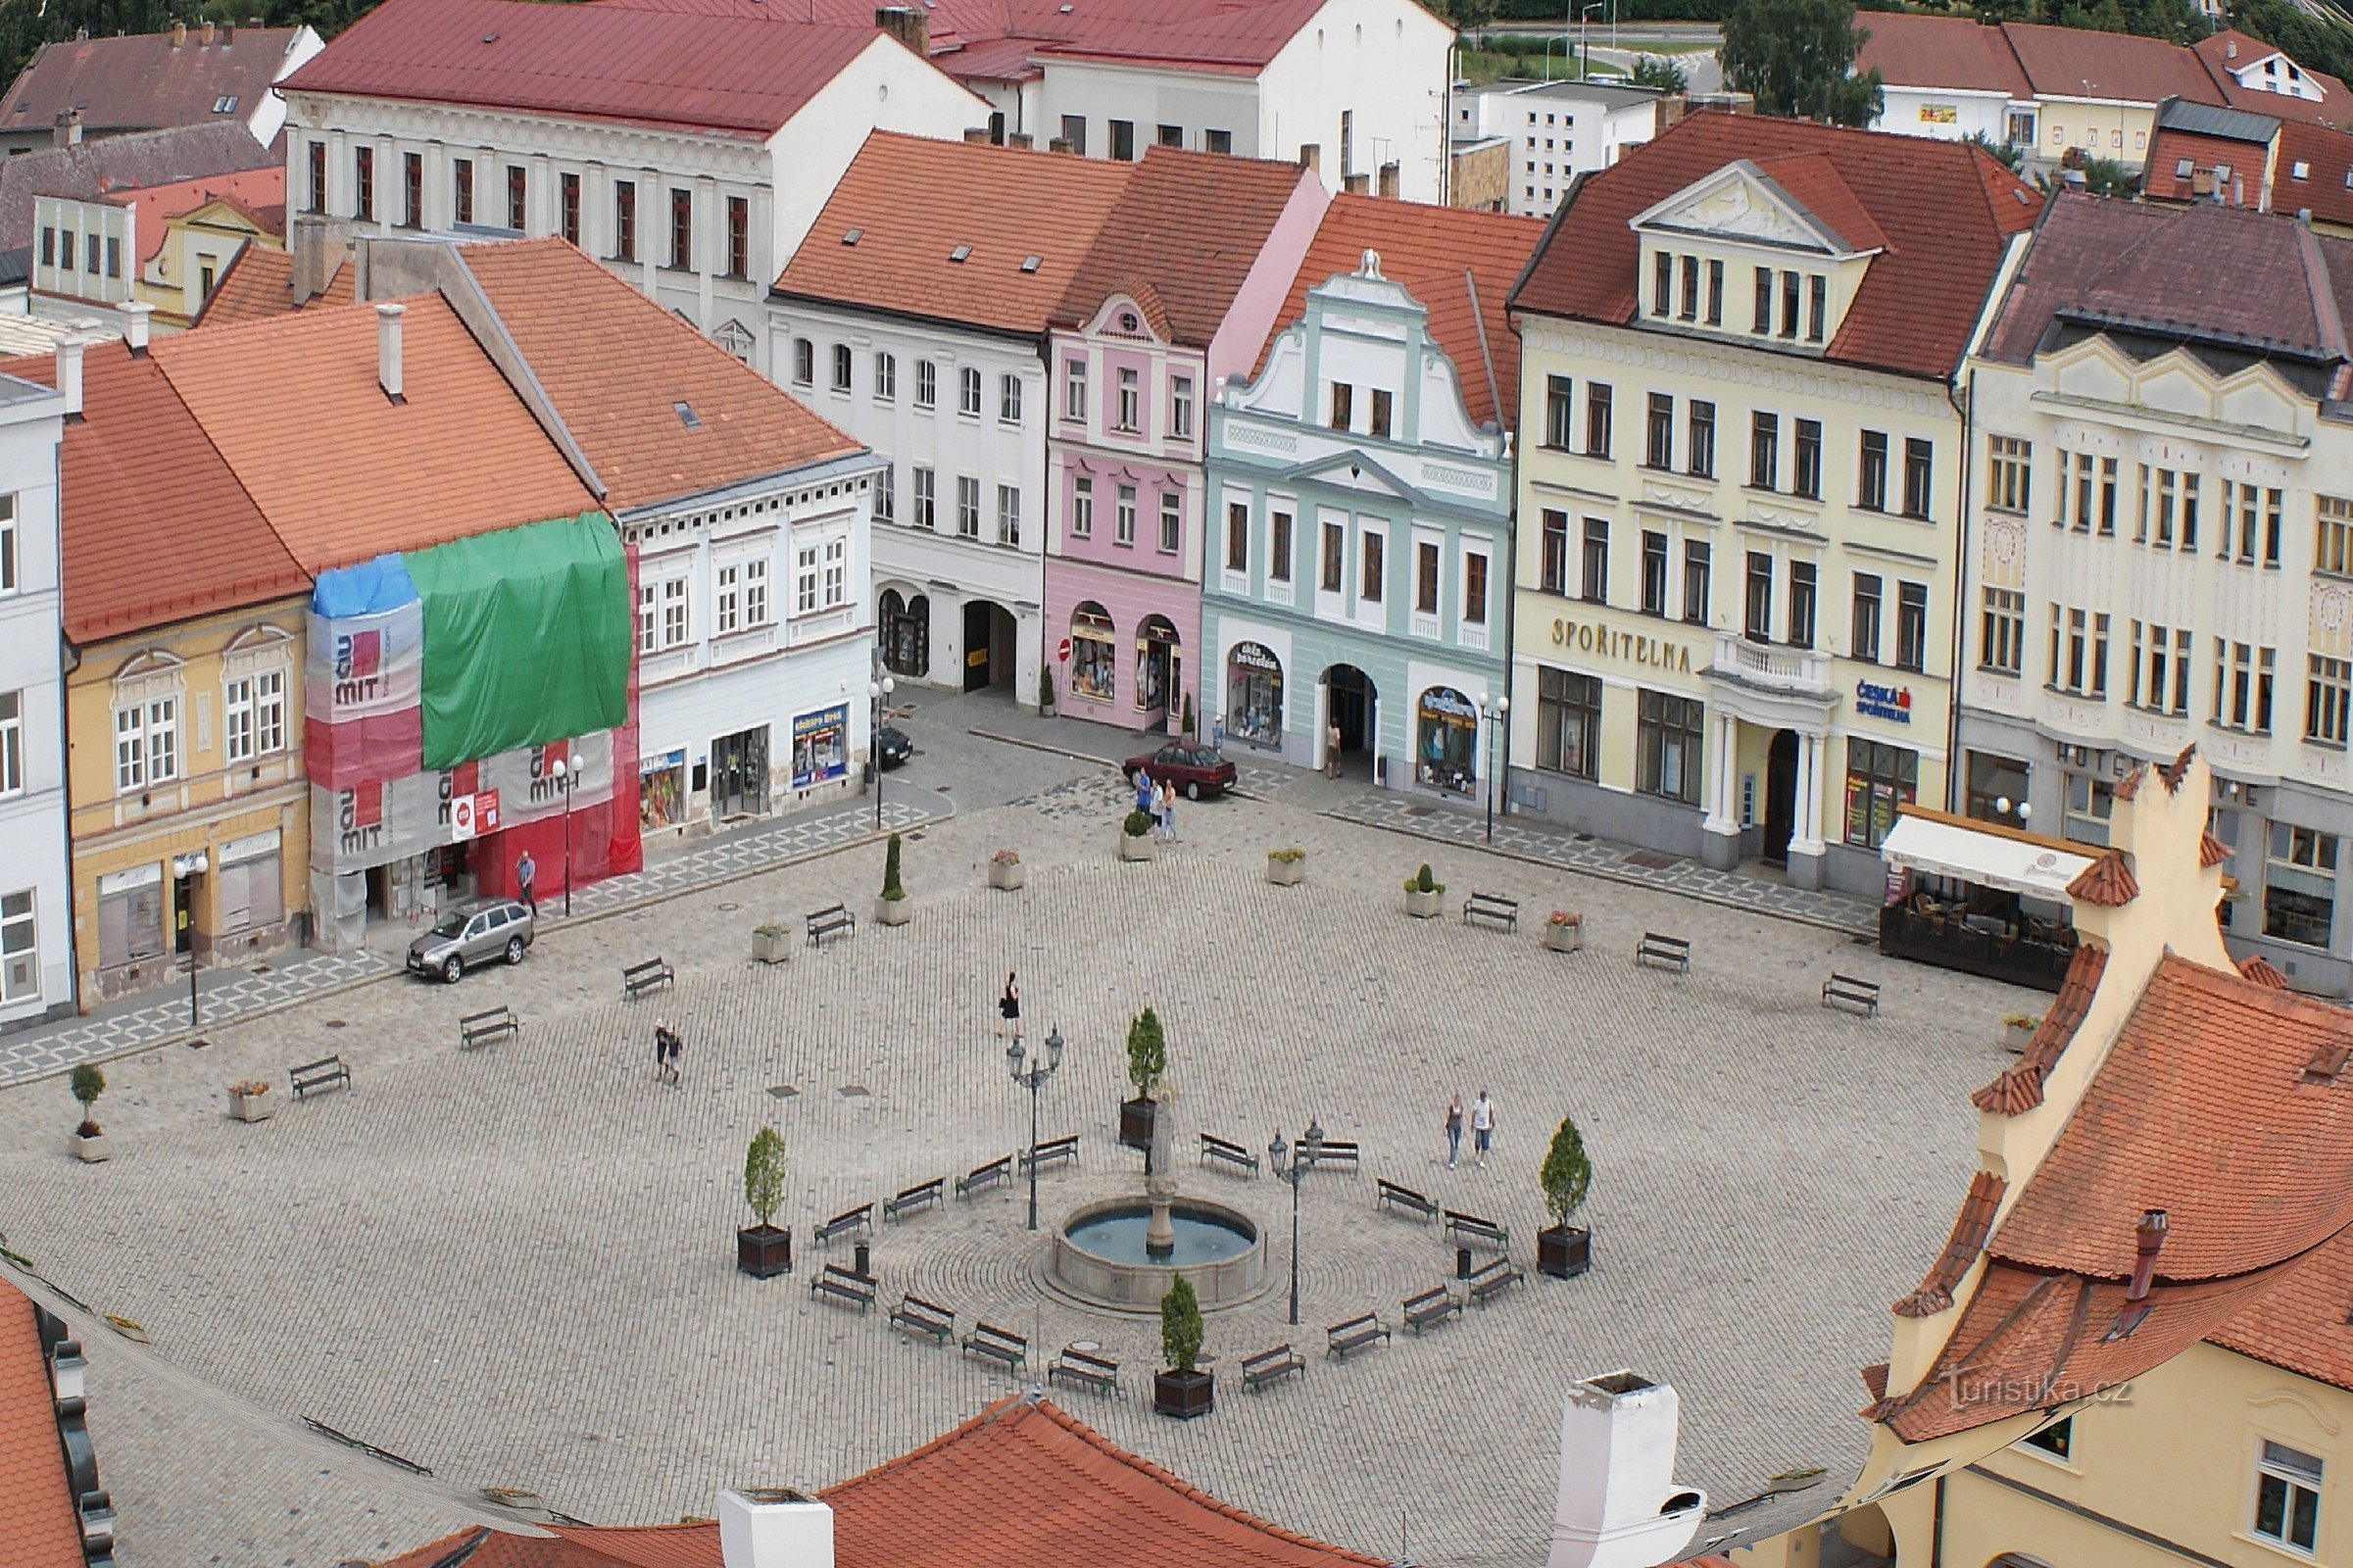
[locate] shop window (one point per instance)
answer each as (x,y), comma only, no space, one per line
(1157,664)
(249,887)
(1668,744)
(1879,779)
(19,948)
(906,633)
(1094,656)
(2287,1497)
(1997,790)
(130,916)
(2299,885)
(1568,721)
(1445,747)
(1253,712)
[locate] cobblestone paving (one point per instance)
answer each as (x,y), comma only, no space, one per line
(514,1266)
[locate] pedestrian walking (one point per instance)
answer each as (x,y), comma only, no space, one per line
(1483,1127)
(1158,806)
(1168,813)
(666,1051)
(1453,1131)
(1009,1010)
(1332,751)
(1143,789)
(526,872)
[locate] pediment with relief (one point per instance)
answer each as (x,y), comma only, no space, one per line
(1735,204)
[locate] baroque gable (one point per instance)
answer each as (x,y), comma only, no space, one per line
(1737,202)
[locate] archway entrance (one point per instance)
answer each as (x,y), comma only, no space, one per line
(988,645)
(1350,703)
(906,633)
(1781,796)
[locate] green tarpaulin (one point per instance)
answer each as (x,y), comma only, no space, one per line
(526,637)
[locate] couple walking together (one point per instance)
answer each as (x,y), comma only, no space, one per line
(1483,1129)
(1159,802)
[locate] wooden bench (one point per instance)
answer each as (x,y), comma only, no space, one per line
(488,1028)
(1490,1280)
(652,975)
(844,1284)
(1853,993)
(1469,1230)
(830,921)
(1432,1305)
(1003,1345)
(1233,1154)
(1271,1366)
(1492,907)
(914,1200)
(980,1178)
(1084,1370)
(1339,1151)
(1394,1197)
(1667,952)
(1063,1151)
(860,1219)
(1356,1334)
(914,1315)
(317,1077)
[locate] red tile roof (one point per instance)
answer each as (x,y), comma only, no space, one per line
(2107,882)
(1190,225)
(2161,178)
(39,1527)
(1008,204)
(2230,51)
(2303,1323)
(1950,52)
(1933,1293)
(139,481)
(2326,188)
(144,82)
(259,283)
(968,1499)
(2018,1088)
(92,169)
(2078,63)
(2260,969)
(575,322)
(1442,256)
(341,471)
(1945,209)
(253,191)
(718,74)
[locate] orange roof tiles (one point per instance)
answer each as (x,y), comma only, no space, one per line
(685,1546)
(1813,181)
(260,284)
(1933,1293)
(1442,256)
(2260,969)
(341,471)
(2107,882)
(39,1527)
(1008,204)
(252,191)
(2301,1323)
(141,483)
(1945,210)
(2018,1088)
(1957,54)
(1192,224)
(617,366)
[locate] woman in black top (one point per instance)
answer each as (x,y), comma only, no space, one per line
(1009,1010)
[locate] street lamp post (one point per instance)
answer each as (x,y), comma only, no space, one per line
(1033,1078)
(1493,711)
(564,781)
(1585,36)
(1310,1150)
(877,692)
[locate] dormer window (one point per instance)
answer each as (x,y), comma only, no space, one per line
(1662,283)
(1817,313)
(1762,322)
(1690,288)
(1715,293)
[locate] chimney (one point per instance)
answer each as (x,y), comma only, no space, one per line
(910,24)
(389,348)
(67,1369)
(975,136)
(180,36)
(134,326)
(1058,144)
(204,40)
(774,1528)
(228,34)
(65,129)
(2148,1240)
(69,374)
(1019,140)
(1619,1504)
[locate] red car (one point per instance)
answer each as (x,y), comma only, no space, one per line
(1198,771)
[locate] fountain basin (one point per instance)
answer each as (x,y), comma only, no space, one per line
(1100,1257)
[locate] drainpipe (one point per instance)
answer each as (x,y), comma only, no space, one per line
(69,661)
(1955,775)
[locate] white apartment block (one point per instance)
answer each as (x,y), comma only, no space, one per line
(1557,131)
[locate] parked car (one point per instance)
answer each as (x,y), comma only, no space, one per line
(1198,771)
(474,934)
(892,745)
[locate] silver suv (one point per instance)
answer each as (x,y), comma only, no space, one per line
(474,934)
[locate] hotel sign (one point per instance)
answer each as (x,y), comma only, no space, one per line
(1637,648)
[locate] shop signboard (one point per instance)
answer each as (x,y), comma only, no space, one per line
(1891,703)
(821,746)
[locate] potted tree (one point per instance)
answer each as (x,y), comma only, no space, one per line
(892,909)
(1422,894)
(1564,1250)
(1287,867)
(1135,838)
(1005,870)
(249,1099)
(1044,692)
(87,1084)
(1181,1389)
(771,942)
(1146,1067)
(1564,931)
(764,1250)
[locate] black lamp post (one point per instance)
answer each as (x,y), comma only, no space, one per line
(564,781)
(1494,712)
(878,691)
(1033,1078)
(1277,1153)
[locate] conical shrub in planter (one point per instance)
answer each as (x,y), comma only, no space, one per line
(1181,1389)
(1564,1250)
(1422,894)
(1146,1067)
(87,1084)
(762,1250)
(893,907)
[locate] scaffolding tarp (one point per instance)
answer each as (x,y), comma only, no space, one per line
(361,675)
(526,637)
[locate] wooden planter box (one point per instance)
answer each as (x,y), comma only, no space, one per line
(894,911)
(1564,937)
(765,1252)
(252,1107)
(1286,873)
(1136,1122)
(1138,847)
(1425,905)
(1184,1394)
(1007,877)
(772,946)
(1564,1252)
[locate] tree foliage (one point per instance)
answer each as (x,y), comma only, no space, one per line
(1796,58)
(1567,1175)
(2310,40)
(891,889)
(2006,154)
(1657,70)
(1146,1052)
(763,1173)
(87,1083)
(1181,1325)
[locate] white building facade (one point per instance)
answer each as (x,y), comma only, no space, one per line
(36,916)
(1557,131)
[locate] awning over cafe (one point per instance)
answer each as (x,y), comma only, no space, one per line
(1942,846)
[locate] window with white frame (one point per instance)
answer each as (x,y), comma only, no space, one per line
(886,496)
(19,948)
(2002,635)
(927,384)
(12,742)
(804,579)
(727,606)
(1129,413)
(755,590)
(2287,1497)
(674,621)
(7,545)
(146,742)
(837,573)
(252,712)
(2159,679)
(1180,406)
(2328,696)
(1123,520)
(1172,524)
(1082,509)
(967,507)
(1009,515)
(886,377)
(969,392)
(2252,521)
(649,614)
(1009,400)
(925,497)
(1074,390)
(2242,685)
(841,366)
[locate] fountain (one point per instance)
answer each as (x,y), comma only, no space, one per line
(1123,1254)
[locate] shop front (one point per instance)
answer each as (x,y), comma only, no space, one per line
(1978,898)
(1254,696)
(1446,741)
(903,621)
(662,787)
(821,746)
(1094,655)
(1158,669)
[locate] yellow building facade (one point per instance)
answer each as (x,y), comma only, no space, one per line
(197,250)
(190,812)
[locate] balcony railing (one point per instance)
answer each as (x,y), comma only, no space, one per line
(1790,669)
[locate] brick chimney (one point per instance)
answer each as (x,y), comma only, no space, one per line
(774,1528)
(389,348)
(910,24)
